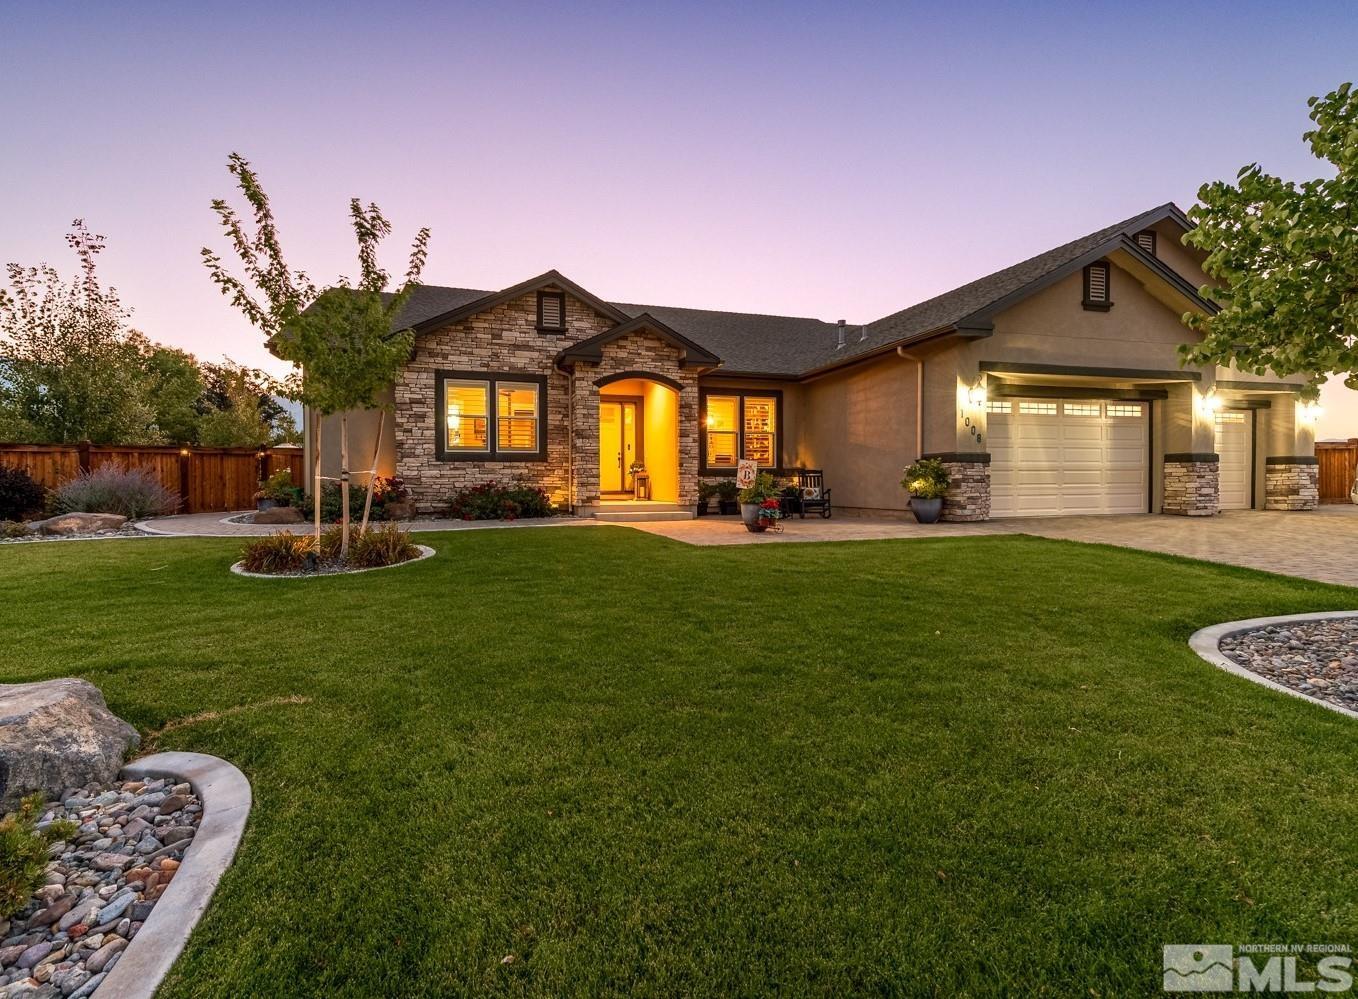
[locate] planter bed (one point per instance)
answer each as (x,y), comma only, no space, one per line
(1315,658)
(331,568)
(128,530)
(101,886)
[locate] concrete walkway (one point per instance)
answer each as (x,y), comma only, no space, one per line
(1320,545)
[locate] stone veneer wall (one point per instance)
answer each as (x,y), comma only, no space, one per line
(1291,483)
(1192,485)
(968,496)
(643,352)
(504,338)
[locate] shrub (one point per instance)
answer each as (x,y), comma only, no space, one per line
(277,553)
(727,489)
(706,490)
(13,529)
(279,488)
(386,545)
(23,853)
(926,479)
(764,488)
(330,504)
(20,495)
(493,501)
(133,492)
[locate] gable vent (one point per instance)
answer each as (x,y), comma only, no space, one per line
(1097,294)
(551,310)
(1146,240)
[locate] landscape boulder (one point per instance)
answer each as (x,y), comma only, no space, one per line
(279,515)
(57,734)
(64,524)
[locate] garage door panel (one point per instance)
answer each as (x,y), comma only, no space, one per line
(1053,457)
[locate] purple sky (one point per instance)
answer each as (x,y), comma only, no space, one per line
(808,159)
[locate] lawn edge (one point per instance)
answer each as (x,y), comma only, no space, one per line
(425,552)
(226,798)
(1206,642)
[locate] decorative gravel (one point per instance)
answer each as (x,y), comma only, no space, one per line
(128,530)
(100,887)
(1316,658)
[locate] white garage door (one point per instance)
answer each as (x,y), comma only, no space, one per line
(1066,456)
(1234,446)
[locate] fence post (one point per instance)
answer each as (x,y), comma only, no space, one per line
(83,454)
(184,457)
(262,462)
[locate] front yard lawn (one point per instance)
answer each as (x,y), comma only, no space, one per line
(585,761)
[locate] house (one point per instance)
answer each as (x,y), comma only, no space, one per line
(1050,387)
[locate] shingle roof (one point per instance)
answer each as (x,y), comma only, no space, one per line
(792,346)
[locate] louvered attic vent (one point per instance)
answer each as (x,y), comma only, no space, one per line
(552,311)
(1146,240)
(1098,297)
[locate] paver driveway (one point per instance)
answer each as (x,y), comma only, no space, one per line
(1320,545)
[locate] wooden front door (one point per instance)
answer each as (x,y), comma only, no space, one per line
(617,445)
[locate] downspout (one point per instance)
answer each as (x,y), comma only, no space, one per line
(919,399)
(570,435)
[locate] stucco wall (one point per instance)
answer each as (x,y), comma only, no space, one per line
(859,426)
(363,426)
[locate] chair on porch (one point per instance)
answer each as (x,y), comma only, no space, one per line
(811,484)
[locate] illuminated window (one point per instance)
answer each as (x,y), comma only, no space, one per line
(485,416)
(1081,409)
(760,442)
(736,426)
(467,415)
(723,430)
(1037,408)
(997,407)
(516,413)
(1124,409)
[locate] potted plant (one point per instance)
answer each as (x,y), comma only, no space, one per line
(760,504)
(276,490)
(727,492)
(927,482)
(706,490)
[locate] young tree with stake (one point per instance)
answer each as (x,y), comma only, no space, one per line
(340,339)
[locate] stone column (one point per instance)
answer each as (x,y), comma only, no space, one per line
(1192,484)
(1291,482)
(968,496)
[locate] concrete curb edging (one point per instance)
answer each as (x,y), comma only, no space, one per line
(226,799)
(1206,642)
(425,552)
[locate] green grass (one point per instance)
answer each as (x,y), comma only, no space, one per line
(943,767)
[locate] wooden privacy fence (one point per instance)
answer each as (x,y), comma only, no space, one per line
(1337,462)
(205,478)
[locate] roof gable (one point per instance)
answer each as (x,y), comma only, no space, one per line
(488,300)
(591,350)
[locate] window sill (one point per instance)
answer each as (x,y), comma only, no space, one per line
(490,457)
(1097,306)
(551,329)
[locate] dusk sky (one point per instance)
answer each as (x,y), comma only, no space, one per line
(837,161)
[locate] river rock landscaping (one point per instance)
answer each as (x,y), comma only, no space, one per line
(100,886)
(67,527)
(1316,658)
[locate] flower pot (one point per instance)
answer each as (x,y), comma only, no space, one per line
(704,508)
(265,504)
(926,511)
(728,507)
(750,513)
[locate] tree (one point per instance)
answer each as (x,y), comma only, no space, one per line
(176,392)
(73,364)
(341,339)
(239,409)
(1284,258)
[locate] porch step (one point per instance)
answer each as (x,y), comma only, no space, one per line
(632,513)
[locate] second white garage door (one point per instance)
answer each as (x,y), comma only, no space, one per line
(1068,456)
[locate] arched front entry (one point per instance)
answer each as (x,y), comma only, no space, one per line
(639,437)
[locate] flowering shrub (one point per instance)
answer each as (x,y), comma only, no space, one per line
(19,493)
(493,501)
(769,511)
(133,492)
